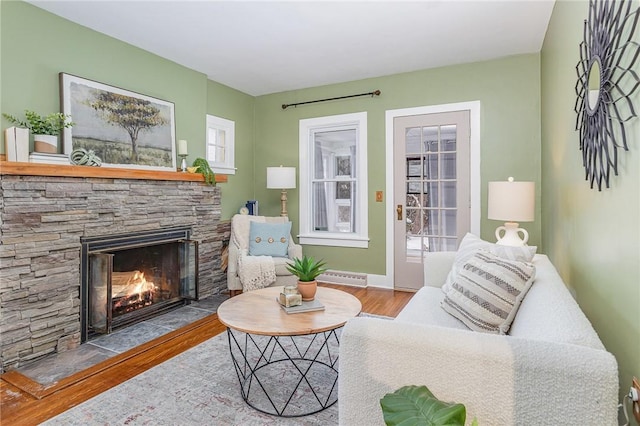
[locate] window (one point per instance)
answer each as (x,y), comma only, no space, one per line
(220,144)
(333,181)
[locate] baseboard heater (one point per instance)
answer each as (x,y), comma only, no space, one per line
(342,277)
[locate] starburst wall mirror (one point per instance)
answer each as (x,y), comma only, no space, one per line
(606,81)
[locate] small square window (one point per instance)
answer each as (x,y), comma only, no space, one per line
(221,144)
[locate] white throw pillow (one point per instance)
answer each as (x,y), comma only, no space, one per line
(470,245)
(487,292)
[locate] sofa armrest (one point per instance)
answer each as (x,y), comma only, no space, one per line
(500,379)
(437,266)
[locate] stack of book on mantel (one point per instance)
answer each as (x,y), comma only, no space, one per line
(41,157)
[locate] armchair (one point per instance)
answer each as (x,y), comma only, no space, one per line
(240,225)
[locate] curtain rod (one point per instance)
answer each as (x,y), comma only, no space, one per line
(372,94)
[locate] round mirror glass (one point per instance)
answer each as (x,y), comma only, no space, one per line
(593,85)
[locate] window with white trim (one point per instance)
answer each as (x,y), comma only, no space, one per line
(221,144)
(333,181)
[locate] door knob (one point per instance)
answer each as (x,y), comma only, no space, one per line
(399,211)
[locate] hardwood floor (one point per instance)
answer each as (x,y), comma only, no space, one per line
(18,407)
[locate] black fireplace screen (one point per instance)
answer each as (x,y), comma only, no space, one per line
(128,278)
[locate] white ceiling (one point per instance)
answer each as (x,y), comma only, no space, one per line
(262,47)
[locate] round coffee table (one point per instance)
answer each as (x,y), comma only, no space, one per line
(286,363)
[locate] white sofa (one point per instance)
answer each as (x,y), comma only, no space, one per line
(551,369)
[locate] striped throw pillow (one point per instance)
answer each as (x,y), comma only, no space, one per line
(487,292)
(470,245)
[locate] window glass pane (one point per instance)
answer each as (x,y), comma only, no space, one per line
(448,166)
(334,153)
(433,223)
(334,206)
(431,191)
(321,192)
(448,194)
(414,167)
(413,187)
(431,166)
(448,138)
(449,222)
(412,138)
(413,221)
(343,190)
(430,138)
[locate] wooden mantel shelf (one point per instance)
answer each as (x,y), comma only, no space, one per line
(39,169)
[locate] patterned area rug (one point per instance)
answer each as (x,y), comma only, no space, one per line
(197,387)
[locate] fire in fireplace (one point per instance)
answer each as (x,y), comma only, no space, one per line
(129,278)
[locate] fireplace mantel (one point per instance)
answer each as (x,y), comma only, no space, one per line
(46,211)
(39,169)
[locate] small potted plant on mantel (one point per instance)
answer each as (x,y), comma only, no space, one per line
(307,270)
(45,129)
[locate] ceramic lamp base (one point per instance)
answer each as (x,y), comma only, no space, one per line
(511,235)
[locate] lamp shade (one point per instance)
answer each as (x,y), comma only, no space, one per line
(281,177)
(511,201)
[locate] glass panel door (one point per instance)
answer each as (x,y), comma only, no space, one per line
(431,189)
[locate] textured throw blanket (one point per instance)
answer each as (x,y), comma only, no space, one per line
(255,272)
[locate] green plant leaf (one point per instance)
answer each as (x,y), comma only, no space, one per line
(205,170)
(52,124)
(417,406)
(306,269)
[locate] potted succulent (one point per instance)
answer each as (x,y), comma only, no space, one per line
(307,270)
(45,129)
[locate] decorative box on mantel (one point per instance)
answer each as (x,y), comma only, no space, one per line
(46,209)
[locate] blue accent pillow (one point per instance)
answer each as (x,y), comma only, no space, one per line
(269,239)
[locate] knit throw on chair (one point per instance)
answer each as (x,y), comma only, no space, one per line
(255,272)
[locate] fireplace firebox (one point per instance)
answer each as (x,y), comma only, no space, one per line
(132,277)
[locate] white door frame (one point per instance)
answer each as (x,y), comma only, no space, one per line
(475,190)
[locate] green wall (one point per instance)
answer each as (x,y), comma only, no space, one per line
(231,104)
(507,88)
(36,45)
(592,237)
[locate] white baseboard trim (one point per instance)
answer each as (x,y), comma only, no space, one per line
(379,281)
(356,279)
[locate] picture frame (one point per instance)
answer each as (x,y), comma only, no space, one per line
(124,128)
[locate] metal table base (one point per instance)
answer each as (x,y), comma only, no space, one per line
(286,376)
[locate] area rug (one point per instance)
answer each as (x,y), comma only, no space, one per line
(197,387)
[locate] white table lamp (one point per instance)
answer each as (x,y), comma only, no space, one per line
(282,178)
(512,202)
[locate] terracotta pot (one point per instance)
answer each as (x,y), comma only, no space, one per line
(308,290)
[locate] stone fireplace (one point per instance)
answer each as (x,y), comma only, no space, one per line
(127,278)
(52,216)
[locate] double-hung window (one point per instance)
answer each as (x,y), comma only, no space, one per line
(333,181)
(220,144)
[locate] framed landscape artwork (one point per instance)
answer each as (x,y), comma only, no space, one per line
(123,128)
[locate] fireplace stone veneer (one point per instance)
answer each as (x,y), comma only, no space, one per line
(42,221)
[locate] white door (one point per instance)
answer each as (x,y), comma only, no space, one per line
(431,190)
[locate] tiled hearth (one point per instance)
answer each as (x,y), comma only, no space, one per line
(52,368)
(43,219)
